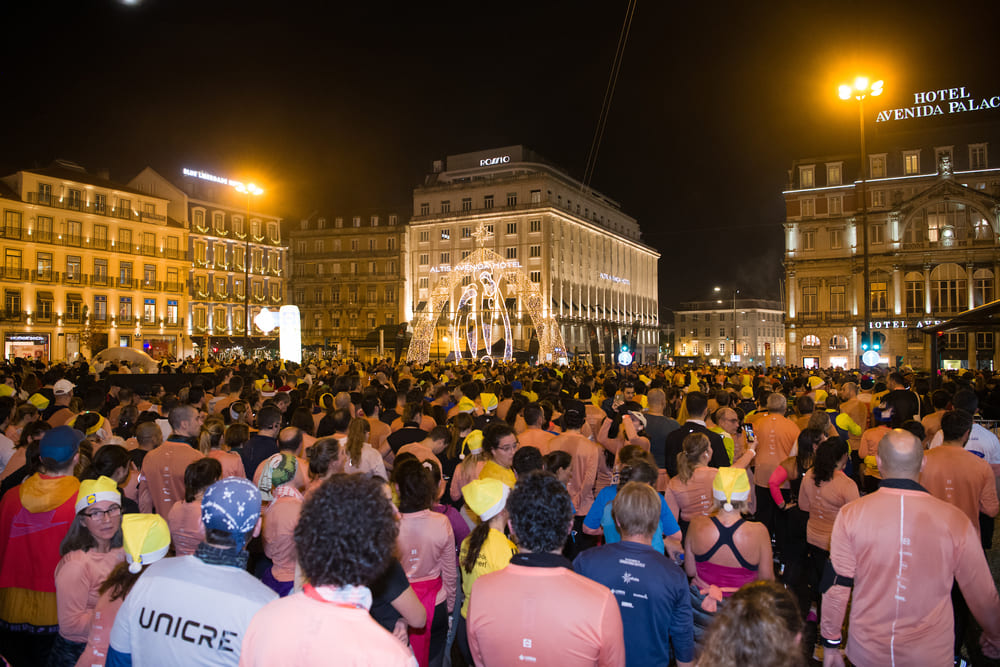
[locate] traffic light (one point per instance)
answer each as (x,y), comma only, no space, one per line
(877,340)
(865,342)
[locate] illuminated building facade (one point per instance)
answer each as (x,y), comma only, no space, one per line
(582,253)
(704,332)
(933,203)
(88,264)
(348,281)
(217,215)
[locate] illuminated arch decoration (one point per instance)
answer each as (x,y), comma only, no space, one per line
(478,287)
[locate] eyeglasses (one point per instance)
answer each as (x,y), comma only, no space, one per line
(98,515)
(507,448)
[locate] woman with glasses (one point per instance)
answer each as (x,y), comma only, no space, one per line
(91,549)
(499,445)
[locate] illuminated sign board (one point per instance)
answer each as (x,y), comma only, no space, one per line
(490,161)
(901,324)
(615,279)
(480,266)
(939,103)
(206,176)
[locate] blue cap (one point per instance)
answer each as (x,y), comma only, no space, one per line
(231,505)
(516,385)
(60,443)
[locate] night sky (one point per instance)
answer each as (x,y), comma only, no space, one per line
(343,110)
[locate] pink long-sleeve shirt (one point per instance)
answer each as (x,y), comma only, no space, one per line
(186,529)
(904,549)
(163,473)
(280,519)
(232,464)
(776,438)
(823,503)
(426,546)
(586,455)
(96,651)
(78,576)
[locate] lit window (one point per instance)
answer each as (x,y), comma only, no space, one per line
(445,234)
(911,162)
(807,177)
(876,166)
(833,174)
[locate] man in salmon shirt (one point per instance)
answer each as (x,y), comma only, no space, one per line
(537,610)
(900,548)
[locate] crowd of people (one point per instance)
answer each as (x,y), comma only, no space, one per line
(494,514)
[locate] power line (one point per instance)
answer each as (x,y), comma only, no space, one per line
(609,93)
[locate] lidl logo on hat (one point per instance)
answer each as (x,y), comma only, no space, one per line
(91,499)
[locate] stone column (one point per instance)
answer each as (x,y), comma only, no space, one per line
(927,289)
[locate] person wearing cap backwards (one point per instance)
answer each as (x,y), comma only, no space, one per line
(90,550)
(59,412)
(486,549)
(651,589)
(146,539)
(537,610)
(35,516)
(162,481)
(328,621)
(901,549)
(193,610)
(723,551)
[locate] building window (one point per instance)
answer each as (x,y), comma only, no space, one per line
(424,259)
(125,309)
(488,201)
(446,206)
(425,236)
(372,295)
(535,251)
(372,268)
(877,234)
(390,243)
(149,311)
(512,228)
(43,229)
(125,274)
(371,244)
(512,253)
(977,156)
(807,177)
(100,204)
(149,275)
(535,276)
(808,208)
(466,203)
(722,348)
(44,261)
(172,312)
(445,234)
(810,303)
(879,297)
(446,258)
(355,245)
(423,283)
(73,268)
(808,239)
(536,196)
(100,308)
(390,295)
(466,232)
(984,340)
(43,306)
(73,199)
(511,199)
(876,166)
(810,342)
(535,226)
(356,221)
(833,174)
(835,205)
(44,193)
(12,224)
(836,239)
(915,295)
(425,208)
(838,299)
(878,198)
(911,162)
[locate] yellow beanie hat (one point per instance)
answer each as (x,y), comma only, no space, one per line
(486,497)
(146,538)
(474,441)
(39,401)
(731,484)
(95,490)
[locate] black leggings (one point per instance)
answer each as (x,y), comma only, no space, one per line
(439,635)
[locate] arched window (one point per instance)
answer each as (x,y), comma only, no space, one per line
(810,342)
(948,288)
(982,287)
(947,224)
(838,342)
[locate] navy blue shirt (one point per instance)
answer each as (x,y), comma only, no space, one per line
(652,595)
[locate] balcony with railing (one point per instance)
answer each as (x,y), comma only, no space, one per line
(69,204)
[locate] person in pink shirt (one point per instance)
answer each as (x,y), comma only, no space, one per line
(162,481)
(426,547)
(212,443)
(186,529)
(146,539)
(901,549)
(776,439)
(323,463)
(90,550)
(280,518)
(537,610)
(340,556)
(359,456)
(824,490)
(535,434)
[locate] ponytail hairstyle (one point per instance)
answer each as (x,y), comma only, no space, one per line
(211,435)
(323,454)
(828,453)
(695,445)
(808,440)
(357,435)
(460,423)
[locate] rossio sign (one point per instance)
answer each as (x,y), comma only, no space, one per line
(490,161)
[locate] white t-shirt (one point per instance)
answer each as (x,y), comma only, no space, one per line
(981,442)
(183,611)
(6,450)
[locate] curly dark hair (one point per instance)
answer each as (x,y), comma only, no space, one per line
(540,512)
(526,459)
(346,532)
(760,622)
(828,453)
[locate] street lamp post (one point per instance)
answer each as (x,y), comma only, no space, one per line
(250,190)
(735,326)
(859,91)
